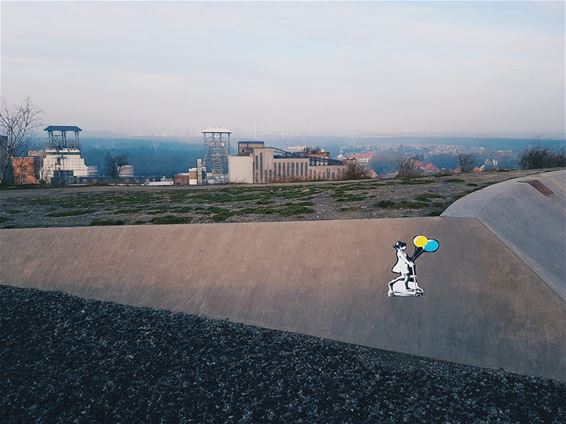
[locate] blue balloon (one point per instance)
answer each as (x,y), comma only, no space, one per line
(431,246)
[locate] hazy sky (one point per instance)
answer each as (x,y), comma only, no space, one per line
(326,68)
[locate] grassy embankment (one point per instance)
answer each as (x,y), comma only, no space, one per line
(427,196)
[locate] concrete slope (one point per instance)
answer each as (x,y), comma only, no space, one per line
(530,223)
(482,306)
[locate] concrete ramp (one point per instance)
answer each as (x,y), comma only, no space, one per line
(482,306)
(529,215)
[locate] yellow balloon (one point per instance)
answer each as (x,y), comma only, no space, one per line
(420,241)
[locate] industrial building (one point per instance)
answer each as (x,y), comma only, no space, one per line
(259,164)
(62,160)
(217,150)
(126,171)
(195,176)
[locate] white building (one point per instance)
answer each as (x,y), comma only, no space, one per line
(68,159)
(63,156)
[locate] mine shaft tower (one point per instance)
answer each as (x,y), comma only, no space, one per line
(58,136)
(217,149)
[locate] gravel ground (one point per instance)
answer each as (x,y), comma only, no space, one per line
(65,359)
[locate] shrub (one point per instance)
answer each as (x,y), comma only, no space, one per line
(466,161)
(386,204)
(293,209)
(356,171)
(538,157)
(221,216)
(407,167)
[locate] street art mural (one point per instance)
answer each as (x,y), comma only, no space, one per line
(406,283)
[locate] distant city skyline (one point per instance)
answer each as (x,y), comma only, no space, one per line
(274,68)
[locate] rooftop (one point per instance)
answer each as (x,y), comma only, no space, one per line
(365,155)
(62,128)
(251,142)
(216,130)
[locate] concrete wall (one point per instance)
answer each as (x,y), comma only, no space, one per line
(240,169)
(530,223)
(482,306)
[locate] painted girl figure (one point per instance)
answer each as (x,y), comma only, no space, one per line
(406,268)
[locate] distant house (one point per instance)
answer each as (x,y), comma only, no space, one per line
(427,168)
(363,158)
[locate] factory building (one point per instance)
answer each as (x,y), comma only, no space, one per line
(195,176)
(62,159)
(259,164)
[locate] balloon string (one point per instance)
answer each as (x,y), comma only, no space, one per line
(418,252)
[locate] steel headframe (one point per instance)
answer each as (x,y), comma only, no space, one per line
(217,149)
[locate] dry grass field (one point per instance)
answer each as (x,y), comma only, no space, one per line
(139,205)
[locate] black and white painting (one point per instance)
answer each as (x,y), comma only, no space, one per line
(405,284)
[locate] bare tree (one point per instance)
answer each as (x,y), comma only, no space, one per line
(466,161)
(407,167)
(356,171)
(114,164)
(16,128)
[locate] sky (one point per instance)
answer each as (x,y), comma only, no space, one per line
(312,68)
